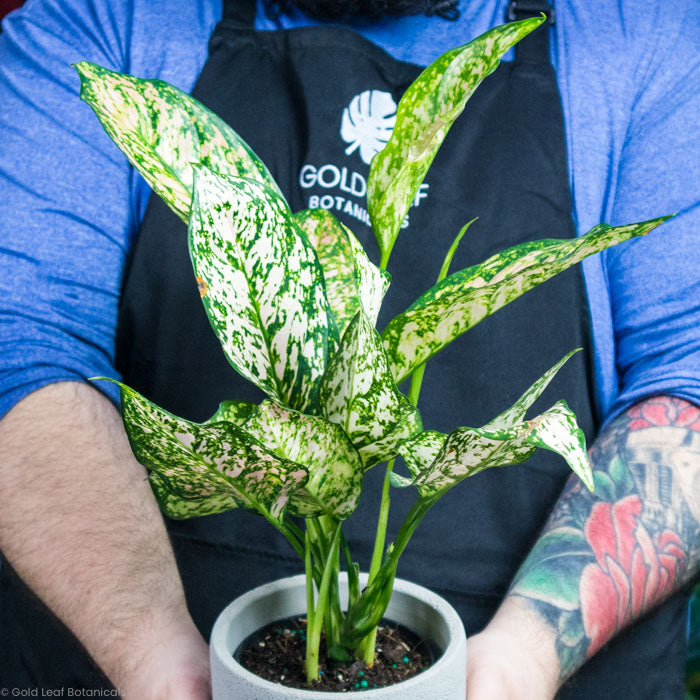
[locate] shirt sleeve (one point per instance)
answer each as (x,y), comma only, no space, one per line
(654,281)
(70,200)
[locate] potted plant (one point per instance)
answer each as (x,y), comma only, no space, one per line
(293,299)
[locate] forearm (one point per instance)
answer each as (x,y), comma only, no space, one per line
(81,527)
(605,559)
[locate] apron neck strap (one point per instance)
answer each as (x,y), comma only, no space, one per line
(239,12)
(535,47)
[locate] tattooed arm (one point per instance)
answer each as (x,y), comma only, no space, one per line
(603,559)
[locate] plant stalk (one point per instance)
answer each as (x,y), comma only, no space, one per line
(417,376)
(369,643)
(353,570)
(415,515)
(416,382)
(309,584)
(314,633)
(282,527)
(385,259)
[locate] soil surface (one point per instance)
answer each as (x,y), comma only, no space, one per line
(277,654)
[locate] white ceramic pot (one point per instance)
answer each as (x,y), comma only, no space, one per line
(415,607)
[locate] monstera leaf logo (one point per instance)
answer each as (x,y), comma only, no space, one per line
(367,123)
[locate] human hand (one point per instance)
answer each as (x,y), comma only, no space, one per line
(177,669)
(497,669)
(512,659)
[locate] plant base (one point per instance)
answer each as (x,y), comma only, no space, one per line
(278,653)
(419,609)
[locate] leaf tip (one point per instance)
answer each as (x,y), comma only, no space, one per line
(87,70)
(652,224)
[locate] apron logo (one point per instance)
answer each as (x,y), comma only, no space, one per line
(366,127)
(367,123)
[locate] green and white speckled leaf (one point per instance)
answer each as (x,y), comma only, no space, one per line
(371,281)
(327,236)
(334,466)
(517,411)
(206,468)
(399,481)
(467,451)
(359,394)
(163,130)
(180,508)
(351,278)
(262,287)
(407,423)
(436,461)
(235,411)
(558,431)
(466,297)
(419,453)
(425,114)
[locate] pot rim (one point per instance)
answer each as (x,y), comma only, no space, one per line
(456,636)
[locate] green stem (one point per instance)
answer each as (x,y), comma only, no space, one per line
(415,515)
(309,584)
(317,534)
(319,548)
(284,530)
(294,528)
(417,377)
(416,382)
(409,526)
(369,643)
(366,614)
(353,573)
(334,614)
(368,647)
(314,635)
(385,259)
(380,538)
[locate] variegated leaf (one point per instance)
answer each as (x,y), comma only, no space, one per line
(407,422)
(235,411)
(424,116)
(466,297)
(328,238)
(467,451)
(359,394)
(558,431)
(261,285)
(445,268)
(179,508)
(372,282)
(351,278)
(399,481)
(206,468)
(431,456)
(517,411)
(163,130)
(334,466)
(419,453)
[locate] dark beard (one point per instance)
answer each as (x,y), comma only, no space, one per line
(336,10)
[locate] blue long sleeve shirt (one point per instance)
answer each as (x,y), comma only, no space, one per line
(70,203)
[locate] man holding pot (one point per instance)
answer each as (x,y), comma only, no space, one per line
(588,121)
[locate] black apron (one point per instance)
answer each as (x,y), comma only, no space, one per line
(504,161)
